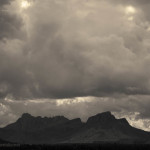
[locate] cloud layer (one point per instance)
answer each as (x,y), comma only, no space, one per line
(72,48)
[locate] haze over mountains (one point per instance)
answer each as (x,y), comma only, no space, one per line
(101,128)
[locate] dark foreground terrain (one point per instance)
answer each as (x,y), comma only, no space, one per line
(76,147)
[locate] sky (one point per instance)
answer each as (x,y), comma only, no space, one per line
(75,58)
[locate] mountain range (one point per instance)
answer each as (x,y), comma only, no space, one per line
(101,128)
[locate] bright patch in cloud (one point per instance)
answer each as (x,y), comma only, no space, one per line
(25,4)
(130,10)
(74,101)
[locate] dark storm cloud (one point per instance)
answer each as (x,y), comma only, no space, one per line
(5,2)
(10,23)
(12,58)
(69,50)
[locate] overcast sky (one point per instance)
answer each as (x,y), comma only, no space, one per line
(75,58)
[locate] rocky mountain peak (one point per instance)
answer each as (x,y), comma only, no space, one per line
(101,118)
(26,115)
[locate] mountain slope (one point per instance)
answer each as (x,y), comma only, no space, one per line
(4,142)
(103,127)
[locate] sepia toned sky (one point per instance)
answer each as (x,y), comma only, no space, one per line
(75,58)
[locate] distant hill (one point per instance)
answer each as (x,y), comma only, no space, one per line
(101,128)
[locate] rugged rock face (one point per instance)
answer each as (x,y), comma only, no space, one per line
(103,127)
(30,123)
(103,120)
